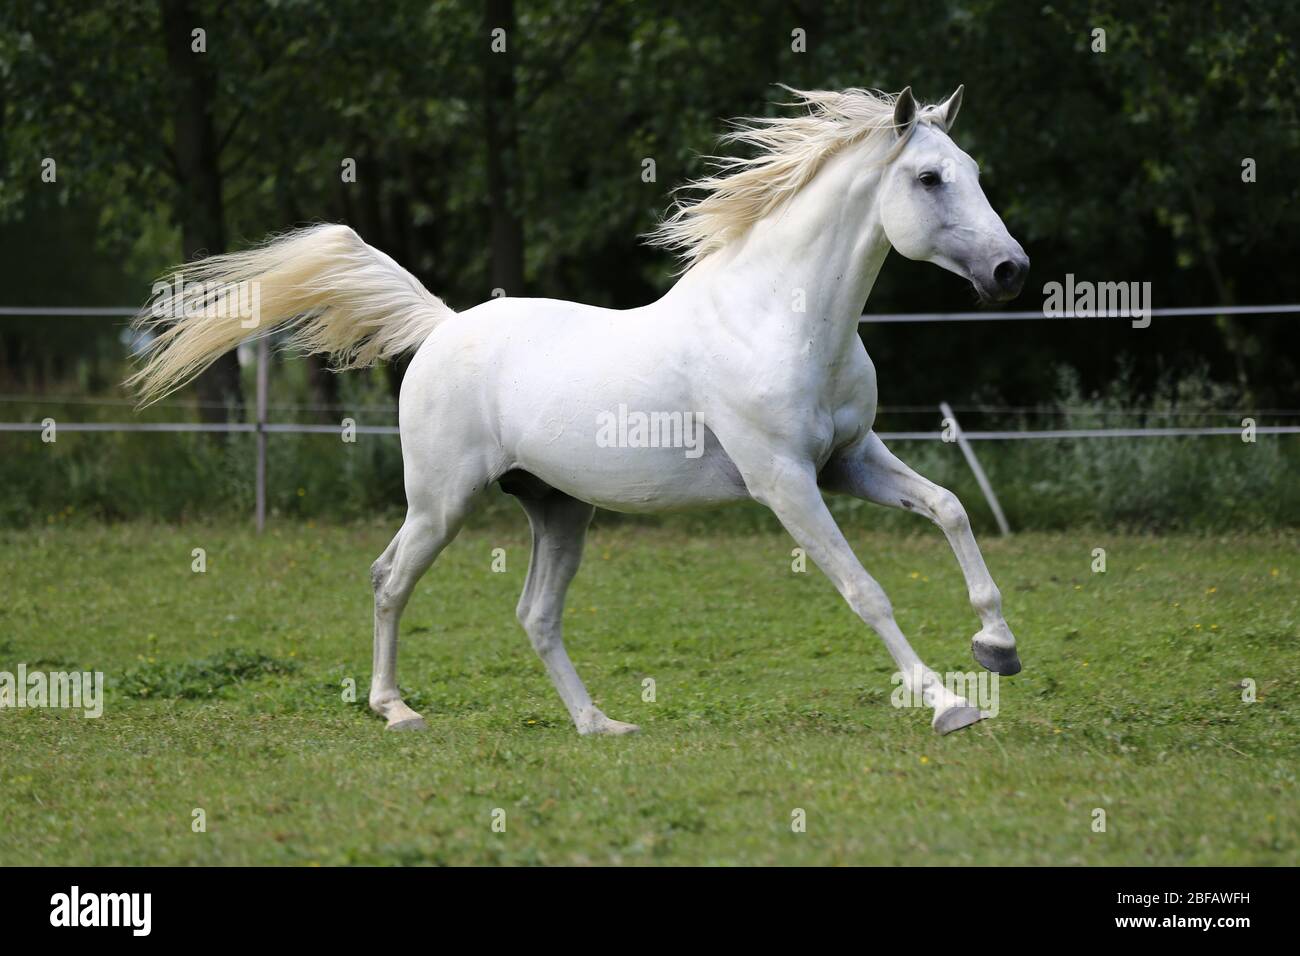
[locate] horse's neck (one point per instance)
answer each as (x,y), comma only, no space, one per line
(803,273)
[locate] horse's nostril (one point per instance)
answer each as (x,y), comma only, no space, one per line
(1009,275)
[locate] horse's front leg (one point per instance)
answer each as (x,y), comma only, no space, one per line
(789,488)
(870,470)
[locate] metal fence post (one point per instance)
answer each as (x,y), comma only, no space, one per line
(974,463)
(263,361)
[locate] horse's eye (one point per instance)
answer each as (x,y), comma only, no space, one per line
(929,179)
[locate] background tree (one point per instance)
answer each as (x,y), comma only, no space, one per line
(525,170)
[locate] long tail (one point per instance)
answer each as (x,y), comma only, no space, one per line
(337,295)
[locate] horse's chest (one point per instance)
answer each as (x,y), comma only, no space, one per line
(840,409)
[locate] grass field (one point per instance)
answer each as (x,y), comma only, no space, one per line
(226,693)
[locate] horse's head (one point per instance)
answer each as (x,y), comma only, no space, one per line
(933,209)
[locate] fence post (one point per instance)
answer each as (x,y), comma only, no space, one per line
(263,360)
(980,477)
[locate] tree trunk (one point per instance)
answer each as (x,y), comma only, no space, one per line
(199,204)
(502,141)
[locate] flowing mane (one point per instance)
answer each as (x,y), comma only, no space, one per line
(791,149)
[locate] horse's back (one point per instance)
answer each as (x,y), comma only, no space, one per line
(592,401)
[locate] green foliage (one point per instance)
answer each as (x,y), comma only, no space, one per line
(1117,165)
(1215,483)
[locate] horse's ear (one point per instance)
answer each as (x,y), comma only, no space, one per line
(949,109)
(904,113)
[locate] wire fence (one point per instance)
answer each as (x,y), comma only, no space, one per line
(296,428)
(952,432)
(981,408)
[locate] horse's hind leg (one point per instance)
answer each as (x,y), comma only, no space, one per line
(559,526)
(871,471)
(431,523)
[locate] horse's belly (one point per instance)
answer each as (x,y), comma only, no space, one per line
(637,477)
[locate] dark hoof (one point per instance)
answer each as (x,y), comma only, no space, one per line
(955,718)
(1003,661)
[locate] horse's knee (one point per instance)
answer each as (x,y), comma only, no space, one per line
(391,590)
(378,574)
(381,573)
(948,511)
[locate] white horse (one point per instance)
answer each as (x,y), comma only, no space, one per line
(756,346)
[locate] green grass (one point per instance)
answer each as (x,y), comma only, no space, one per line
(225,692)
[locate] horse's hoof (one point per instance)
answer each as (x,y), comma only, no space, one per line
(410,723)
(1000,660)
(615,728)
(955,718)
(606,727)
